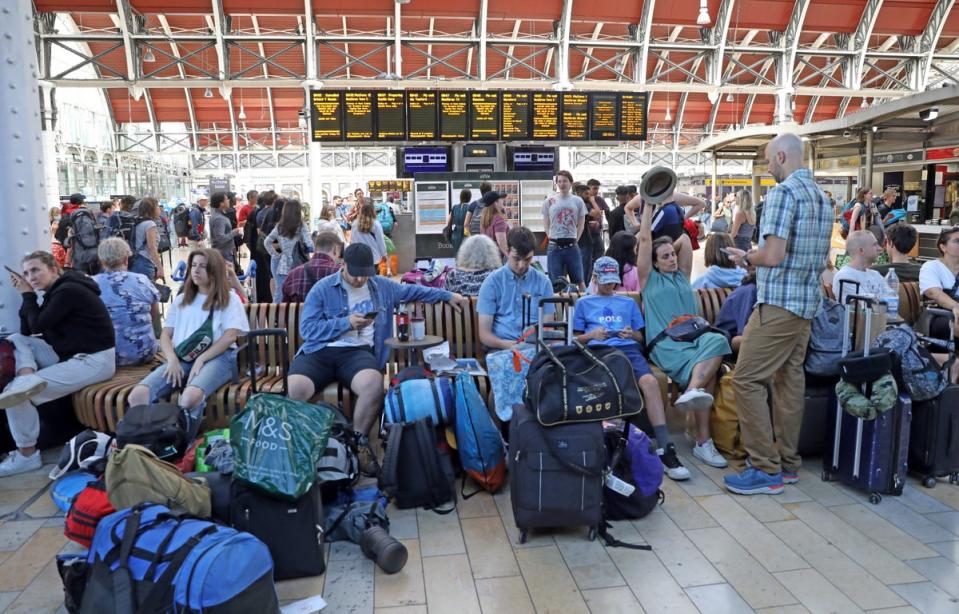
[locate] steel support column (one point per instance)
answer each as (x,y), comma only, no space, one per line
(563,35)
(644,34)
(397,40)
(481,60)
(928,42)
(21,168)
(867,166)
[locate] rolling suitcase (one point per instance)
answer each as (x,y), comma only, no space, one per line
(934,438)
(869,455)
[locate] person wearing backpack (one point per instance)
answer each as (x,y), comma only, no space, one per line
(386,218)
(82,240)
(145,239)
(221,229)
(64,345)
(181,224)
(197,231)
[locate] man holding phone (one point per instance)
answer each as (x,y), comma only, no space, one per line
(346,320)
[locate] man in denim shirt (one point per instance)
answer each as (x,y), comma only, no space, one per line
(341,344)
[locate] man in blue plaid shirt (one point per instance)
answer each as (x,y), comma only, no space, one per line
(794,244)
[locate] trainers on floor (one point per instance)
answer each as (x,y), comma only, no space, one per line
(671,465)
(21,389)
(366,457)
(16,463)
(708,453)
(694,399)
(752,481)
(790,476)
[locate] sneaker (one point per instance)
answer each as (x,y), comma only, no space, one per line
(752,481)
(790,476)
(671,465)
(708,453)
(366,457)
(21,389)
(694,399)
(16,463)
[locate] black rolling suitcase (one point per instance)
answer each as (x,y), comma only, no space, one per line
(934,439)
(869,455)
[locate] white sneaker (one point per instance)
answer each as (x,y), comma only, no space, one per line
(708,453)
(16,463)
(694,399)
(671,463)
(21,389)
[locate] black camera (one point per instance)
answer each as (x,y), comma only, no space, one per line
(384,549)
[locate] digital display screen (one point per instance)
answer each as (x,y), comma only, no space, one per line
(358,115)
(532,159)
(546,113)
(421,116)
(391,116)
(575,117)
(603,116)
(326,115)
(454,116)
(412,160)
(514,115)
(632,117)
(484,116)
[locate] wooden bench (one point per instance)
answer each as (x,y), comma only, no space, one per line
(101,406)
(910,300)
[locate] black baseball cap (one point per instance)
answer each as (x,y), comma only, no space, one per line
(491,197)
(77,199)
(622,190)
(359,260)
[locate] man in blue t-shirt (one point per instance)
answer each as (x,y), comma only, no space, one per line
(613,319)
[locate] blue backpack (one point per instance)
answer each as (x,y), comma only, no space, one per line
(478,441)
(148,559)
(410,400)
(384,214)
(634,462)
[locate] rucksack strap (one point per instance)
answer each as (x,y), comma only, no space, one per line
(388,475)
(612,542)
(124,598)
(426,444)
(158,595)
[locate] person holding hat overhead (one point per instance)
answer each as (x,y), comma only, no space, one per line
(614,319)
(346,320)
(564,218)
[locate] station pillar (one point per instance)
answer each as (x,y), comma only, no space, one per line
(21,169)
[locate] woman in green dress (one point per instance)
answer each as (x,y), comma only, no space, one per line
(693,365)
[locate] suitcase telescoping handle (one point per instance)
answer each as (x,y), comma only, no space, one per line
(251,352)
(566,326)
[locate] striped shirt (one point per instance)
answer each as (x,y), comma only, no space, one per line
(798,212)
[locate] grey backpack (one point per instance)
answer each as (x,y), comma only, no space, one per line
(918,370)
(825,339)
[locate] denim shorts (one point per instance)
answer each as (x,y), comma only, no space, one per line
(636,358)
(214,374)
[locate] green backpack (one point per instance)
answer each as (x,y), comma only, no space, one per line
(135,475)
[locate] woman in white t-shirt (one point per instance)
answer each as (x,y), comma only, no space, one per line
(939,279)
(199,338)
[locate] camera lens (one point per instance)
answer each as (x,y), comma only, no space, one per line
(384,549)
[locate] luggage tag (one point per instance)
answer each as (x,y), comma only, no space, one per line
(617,485)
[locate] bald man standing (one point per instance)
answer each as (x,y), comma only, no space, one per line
(793,247)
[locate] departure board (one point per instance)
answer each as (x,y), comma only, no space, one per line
(575,116)
(632,117)
(603,116)
(484,116)
(454,116)
(514,122)
(326,115)
(546,113)
(355,116)
(358,115)
(391,116)
(421,116)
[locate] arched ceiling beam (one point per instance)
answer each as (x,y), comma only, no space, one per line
(714,111)
(717,38)
(175,50)
(928,42)
(644,33)
(481,61)
(220,27)
(589,50)
(269,90)
(125,21)
(859,43)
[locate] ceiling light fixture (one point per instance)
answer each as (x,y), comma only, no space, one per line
(242,114)
(703,19)
(729,97)
(929,114)
(864,104)
(148,56)
(875,129)
(301,121)
(208,93)
(669,115)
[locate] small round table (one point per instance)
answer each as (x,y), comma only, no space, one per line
(413,347)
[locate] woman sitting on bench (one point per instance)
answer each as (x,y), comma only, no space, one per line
(199,338)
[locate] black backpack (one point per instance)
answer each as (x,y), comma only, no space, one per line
(163,428)
(249,230)
(163,234)
(415,473)
(181,221)
(84,241)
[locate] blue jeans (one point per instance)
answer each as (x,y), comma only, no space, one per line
(278,293)
(144,266)
(214,374)
(561,261)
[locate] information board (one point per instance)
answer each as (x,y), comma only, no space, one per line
(546,114)
(454,116)
(484,116)
(358,115)
(390,116)
(421,116)
(431,204)
(514,116)
(575,116)
(603,118)
(632,117)
(326,115)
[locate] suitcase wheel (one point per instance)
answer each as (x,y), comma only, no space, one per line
(523,534)
(930,482)
(826,476)
(593,532)
(875,498)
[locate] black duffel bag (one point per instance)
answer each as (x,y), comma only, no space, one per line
(575,383)
(164,428)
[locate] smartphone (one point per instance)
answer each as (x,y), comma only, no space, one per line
(371,314)
(726,251)
(12,272)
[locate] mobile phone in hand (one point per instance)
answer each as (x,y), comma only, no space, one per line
(726,251)
(371,315)
(12,272)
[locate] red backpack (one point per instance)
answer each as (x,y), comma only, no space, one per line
(86,511)
(8,364)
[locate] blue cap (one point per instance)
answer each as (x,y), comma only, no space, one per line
(606,270)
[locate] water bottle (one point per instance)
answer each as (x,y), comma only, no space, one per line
(892,293)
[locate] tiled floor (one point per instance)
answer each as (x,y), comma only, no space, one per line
(819,547)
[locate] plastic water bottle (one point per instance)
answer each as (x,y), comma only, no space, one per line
(892,293)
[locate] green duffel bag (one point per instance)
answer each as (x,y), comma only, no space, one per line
(135,475)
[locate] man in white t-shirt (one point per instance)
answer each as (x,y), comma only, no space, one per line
(856,277)
(564,217)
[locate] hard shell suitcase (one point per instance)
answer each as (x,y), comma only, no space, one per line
(812,433)
(556,473)
(934,438)
(869,455)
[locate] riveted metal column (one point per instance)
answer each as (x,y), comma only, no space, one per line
(21,168)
